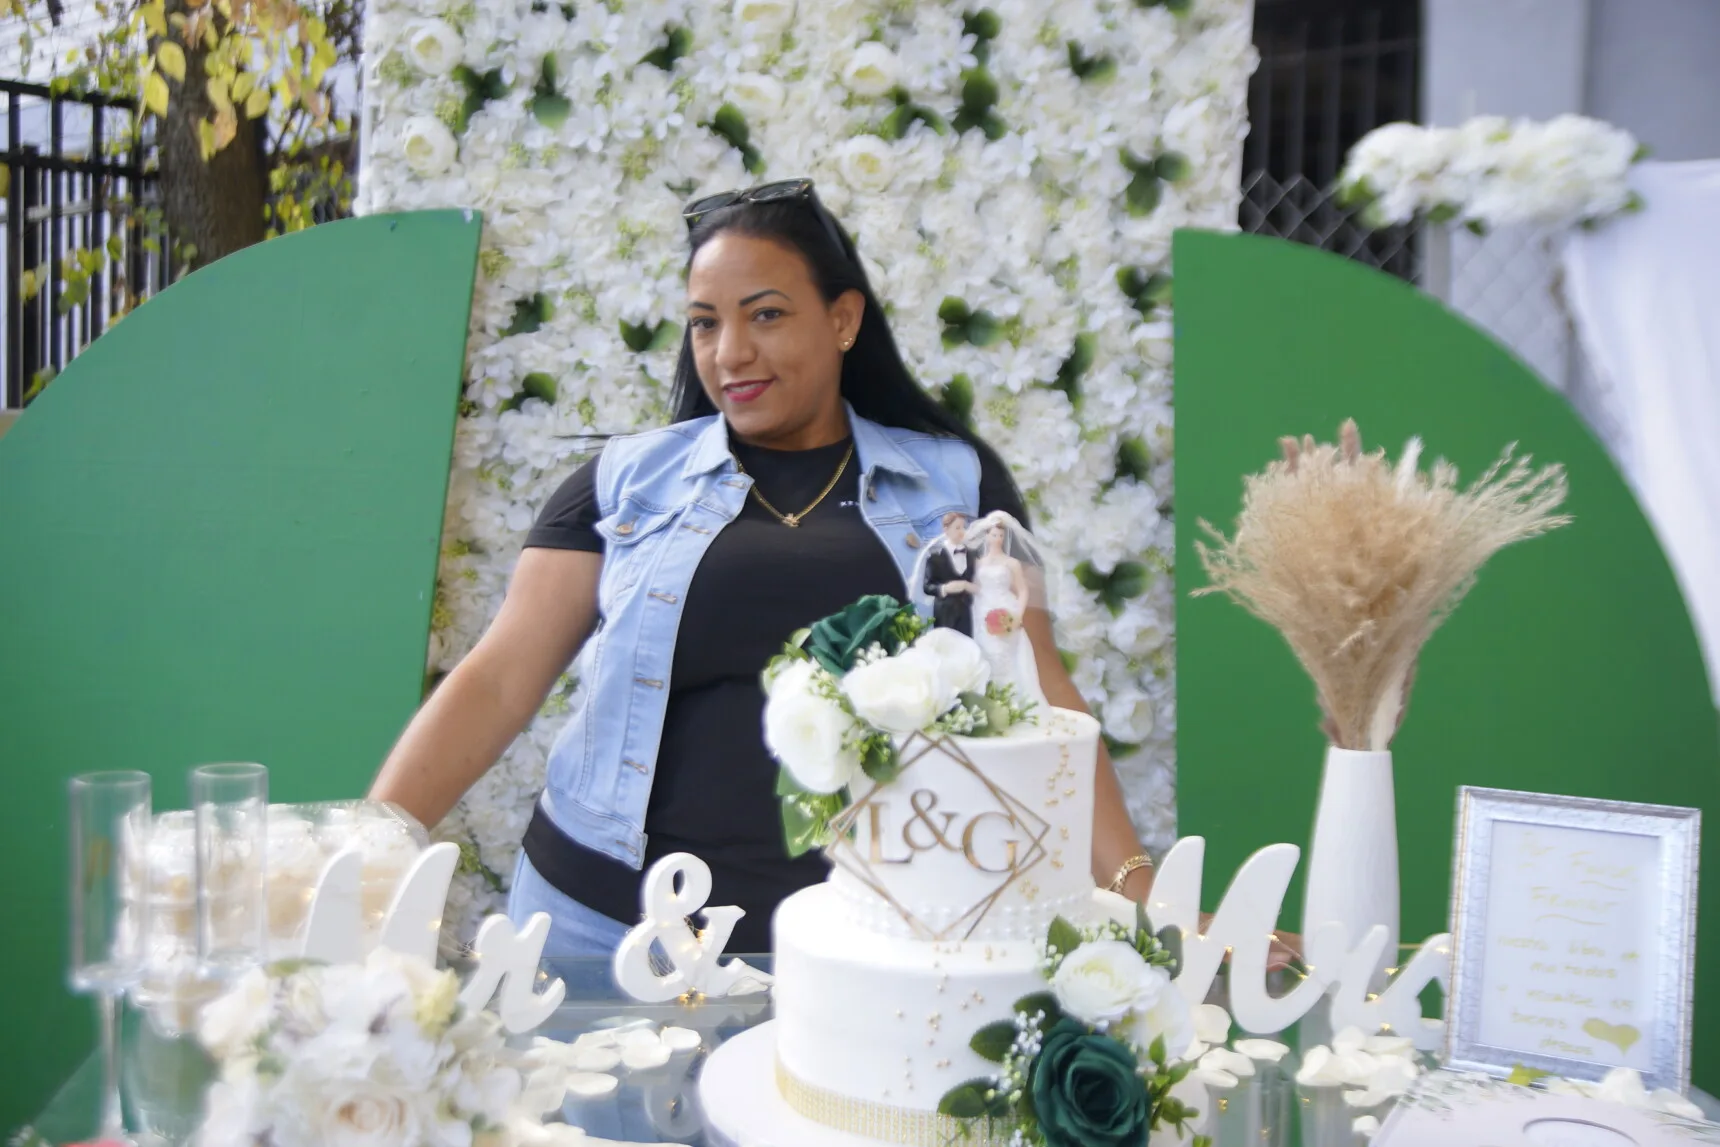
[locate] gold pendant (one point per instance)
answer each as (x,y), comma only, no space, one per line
(791,520)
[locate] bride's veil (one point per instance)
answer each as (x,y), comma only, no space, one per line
(1018,544)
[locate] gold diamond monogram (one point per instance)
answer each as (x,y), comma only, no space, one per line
(1032,827)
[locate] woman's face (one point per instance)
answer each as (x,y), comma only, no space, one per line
(994,540)
(767,346)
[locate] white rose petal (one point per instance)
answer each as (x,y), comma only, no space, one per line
(590,1085)
(866,163)
(1366,1126)
(233,1019)
(1265,1050)
(428,146)
(1215,1077)
(806,732)
(434,47)
(872,70)
(1211,1024)
(901,694)
(962,666)
(1222,1059)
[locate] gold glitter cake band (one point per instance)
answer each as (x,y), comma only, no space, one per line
(881,1120)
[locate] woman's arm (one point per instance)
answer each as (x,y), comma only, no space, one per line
(1114,839)
(479,708)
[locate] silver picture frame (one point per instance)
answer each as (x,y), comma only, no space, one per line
(1480,812)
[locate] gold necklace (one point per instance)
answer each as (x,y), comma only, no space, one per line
(793,520)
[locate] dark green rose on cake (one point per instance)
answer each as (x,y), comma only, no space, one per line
(836,642)
(1088,1092)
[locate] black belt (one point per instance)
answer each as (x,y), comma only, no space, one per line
(594,879)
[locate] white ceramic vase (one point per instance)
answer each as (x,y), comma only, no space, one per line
(1353,857)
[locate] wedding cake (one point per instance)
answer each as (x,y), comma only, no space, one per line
(932,924)
(956,808)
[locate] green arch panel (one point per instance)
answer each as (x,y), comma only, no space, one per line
(1572,667)
(218,541)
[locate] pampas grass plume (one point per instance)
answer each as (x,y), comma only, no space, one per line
(1357,561)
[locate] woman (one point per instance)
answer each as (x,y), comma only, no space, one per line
(804,469)
(1001,600)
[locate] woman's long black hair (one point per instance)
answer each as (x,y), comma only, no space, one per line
(875,380)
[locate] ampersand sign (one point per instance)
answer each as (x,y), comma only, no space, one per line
(693,958)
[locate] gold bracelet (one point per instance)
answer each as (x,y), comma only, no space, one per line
(1128,867)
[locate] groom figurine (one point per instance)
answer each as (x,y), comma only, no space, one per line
(949,577)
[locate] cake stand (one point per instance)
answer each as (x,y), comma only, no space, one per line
(743,1108)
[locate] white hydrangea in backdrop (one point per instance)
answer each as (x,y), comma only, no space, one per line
(1012,175)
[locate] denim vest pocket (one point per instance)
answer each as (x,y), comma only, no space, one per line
(630,536)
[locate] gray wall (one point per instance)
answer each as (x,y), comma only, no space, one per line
(1651,67)
(1654,69)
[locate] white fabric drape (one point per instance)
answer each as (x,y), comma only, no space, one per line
(1645,290)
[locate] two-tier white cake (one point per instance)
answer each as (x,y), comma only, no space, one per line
(930,926)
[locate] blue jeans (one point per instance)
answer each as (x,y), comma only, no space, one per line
(574,929)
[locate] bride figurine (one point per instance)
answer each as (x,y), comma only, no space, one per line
(1004,578)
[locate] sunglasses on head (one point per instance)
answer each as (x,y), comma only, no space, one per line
(799,190)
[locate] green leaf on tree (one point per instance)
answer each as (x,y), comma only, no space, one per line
(984,24)
(637,336)
(731,124)
(665,336)
(1091,579)
(1094,68)
(1132,281)
(953,311)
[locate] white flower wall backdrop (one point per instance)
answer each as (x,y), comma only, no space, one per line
(1012,175)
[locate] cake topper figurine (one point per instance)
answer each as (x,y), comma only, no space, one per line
(980,578)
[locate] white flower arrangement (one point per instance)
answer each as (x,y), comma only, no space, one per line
(374,1055)
(845,693)
(1107,1056)
(1373,1070)
(1029,162)
(1493,172)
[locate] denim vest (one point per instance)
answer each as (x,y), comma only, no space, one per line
(664,495)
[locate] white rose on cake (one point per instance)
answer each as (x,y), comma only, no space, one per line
(806,731)
(962,666)
(901,694)
(1106,981)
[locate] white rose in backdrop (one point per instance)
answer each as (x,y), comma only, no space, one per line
(805,732)
(428,146)
(866,163)
(962,666)
(1106,981)
(900,694)
(1167,1015)
(434,47)
(320,1112)
(765,15)
(756,94)
(872,70)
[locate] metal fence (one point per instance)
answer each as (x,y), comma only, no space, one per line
(1330,72)
(75,180)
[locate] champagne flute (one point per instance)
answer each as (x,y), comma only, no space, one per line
(110,819)
(230,804)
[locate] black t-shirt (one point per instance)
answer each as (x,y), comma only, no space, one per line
(714,792)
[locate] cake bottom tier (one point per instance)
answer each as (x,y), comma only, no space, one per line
(872,1030)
